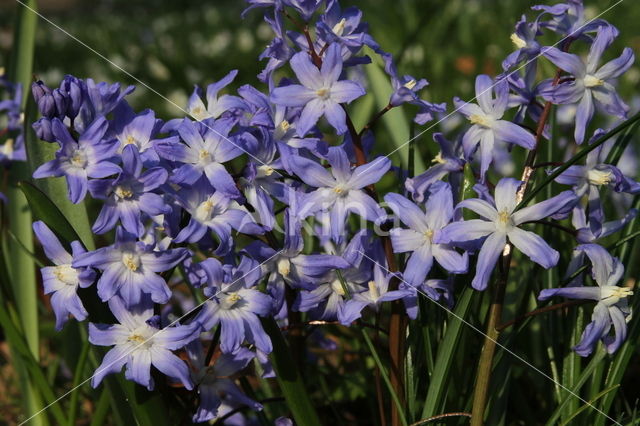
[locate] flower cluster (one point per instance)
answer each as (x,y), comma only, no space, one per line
(12,147)
(245,204)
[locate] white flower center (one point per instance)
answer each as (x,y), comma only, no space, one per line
(410,84)
(599,177)
(204,210)
(336,287)
(264,171)
(130,140)
(7,148)
(230,300)
(520,43)
(66,274)
(79,159)
(142,337)
(340,190)
(592,81)
(439,159)
(373,290)
(284,267)
(281,129)
(199,113)
(428,235)
(131,261)
(123,192)
(611,294)
(338,28)
(323,93)
(504,221)
(481,120)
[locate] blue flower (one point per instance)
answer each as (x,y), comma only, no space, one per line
(340,191)
(130,268)
(376,293)
(235,304)
(320,93)
(205,150)
(88,157)
(424,230)
(139,345)
(612,307)
(139,130)
(289,266)
(216,106)
(487,126)
(591,83)
(214,382)
(588,180)
(524,38)
(568,19)
(447,163)
(500,222)
(129,195)
(213,210)
(62,280)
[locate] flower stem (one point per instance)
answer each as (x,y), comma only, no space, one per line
(485,365)
(539,311)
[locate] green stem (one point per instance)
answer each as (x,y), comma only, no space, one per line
(21,266)
(385,377)
(485,365)
(289,378)
(77,377)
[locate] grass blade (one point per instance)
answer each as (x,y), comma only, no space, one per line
(385,376)
(446,355)
(289,378)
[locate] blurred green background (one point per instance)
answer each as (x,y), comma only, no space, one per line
(172,45)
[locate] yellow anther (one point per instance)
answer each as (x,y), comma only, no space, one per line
(439,159)
(410,84)
(520,43)
(592,81)
(338,28)
(131,261)
(373,290)
(66,274)
(204,154)
(428,235)
(265,171)
(612,294)
(481,120)
(504,217)
(79,159)
(284,267)
(336,286)
(130,140)
(198,113)
(123,192)
(599,177)
(136,338)
(323,93)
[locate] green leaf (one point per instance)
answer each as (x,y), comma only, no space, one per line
(289,378)
(588,406)
(446,355)
(385,376)
(575,389)
(22,350)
